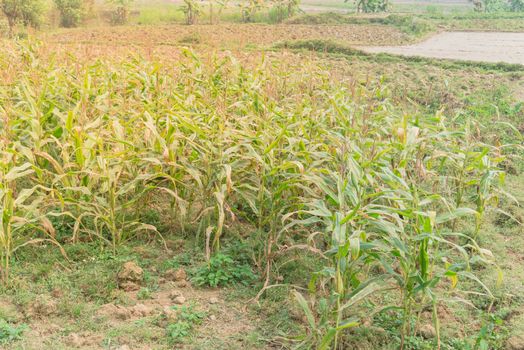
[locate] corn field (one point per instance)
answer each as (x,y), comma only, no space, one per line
(390,204)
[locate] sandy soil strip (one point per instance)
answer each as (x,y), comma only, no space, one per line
(470,46)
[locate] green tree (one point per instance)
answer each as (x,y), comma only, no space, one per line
(71,12)
(28,12)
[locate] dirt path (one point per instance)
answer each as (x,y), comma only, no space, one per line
(471,46)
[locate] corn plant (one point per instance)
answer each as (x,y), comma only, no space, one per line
(382,199)
(379,203)
(21,209)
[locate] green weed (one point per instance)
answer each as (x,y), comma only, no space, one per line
(187,319)
(10,333)
(222,270)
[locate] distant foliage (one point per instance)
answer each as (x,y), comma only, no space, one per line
(27,12)
(369,6)
(516,5)
(120,14)
(285,9)
(249,8)
(494,5)
(192,11)
(72,12)
(499,5)
(222,4)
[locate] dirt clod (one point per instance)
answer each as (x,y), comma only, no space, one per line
(82,340)
(141,310)
(175,275)
(182,284)
(427,331)
(57,293)
(129,286)
(174,294)
(130,276)
(114,311)
(213,300)
(169,314)
(179,300)
(43,307)
(515,343)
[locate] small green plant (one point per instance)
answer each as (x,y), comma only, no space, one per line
(188,313)
(143,294)
(10,333)
(187,319)
(223,270)
(177,331)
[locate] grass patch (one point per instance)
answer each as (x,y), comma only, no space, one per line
(159,15)
(408,24)
(421,24)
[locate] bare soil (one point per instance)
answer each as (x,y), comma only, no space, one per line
(224,321)
(226,35)
(469,46)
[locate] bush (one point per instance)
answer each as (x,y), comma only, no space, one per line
(72,12)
